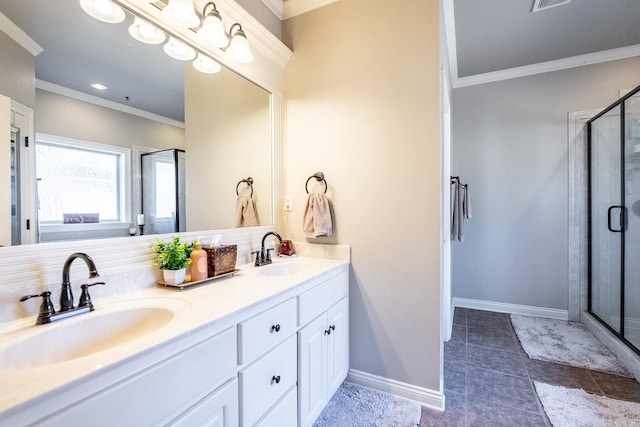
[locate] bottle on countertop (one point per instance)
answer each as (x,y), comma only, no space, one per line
(199,269)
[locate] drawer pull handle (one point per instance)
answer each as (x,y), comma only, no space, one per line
(332,327)
(327,331)
(276,379)
(275,328)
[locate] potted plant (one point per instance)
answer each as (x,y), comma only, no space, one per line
(172,258)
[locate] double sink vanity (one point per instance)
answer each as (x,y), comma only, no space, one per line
(268,346)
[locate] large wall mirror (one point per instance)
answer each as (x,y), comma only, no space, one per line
(152,102)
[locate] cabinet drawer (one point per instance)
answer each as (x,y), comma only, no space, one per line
(321,297)
(266,329)
(285,413)
(264,382)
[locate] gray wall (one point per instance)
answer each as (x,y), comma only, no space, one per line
(510,145)
(17,72)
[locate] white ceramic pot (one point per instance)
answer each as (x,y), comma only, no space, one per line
(174,277)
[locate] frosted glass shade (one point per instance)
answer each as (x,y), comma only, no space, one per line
(144,32)
(182,12)
(178,50)
(103,10)
(212,32)
(238,49)
(206,65)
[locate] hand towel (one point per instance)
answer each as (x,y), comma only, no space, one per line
(460,209)
(245,212)
(316,221)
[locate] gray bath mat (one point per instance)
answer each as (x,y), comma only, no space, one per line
(356,406)
(569,343)
(575,407)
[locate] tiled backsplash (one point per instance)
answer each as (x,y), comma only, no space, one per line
(123,263)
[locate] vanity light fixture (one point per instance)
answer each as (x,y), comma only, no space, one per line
(144,32)
(181,12)
(179,50)
(206,65)
(103,10)
(212,30)
(238,49)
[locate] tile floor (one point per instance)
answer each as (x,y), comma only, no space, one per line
(488,378)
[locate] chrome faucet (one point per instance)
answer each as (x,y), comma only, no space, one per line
(263,256)
(66,295)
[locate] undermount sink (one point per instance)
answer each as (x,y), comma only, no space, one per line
(284,268)
(85,334)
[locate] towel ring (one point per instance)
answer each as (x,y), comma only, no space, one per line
(248,181)
(319,176)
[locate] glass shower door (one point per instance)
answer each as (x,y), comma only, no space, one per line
(607,218)
(631,325)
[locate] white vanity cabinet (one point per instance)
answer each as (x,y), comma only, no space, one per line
(273,362)
(323,346)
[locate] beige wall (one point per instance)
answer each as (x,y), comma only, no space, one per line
(362,105)
(228,139)
(17,72)
(71,118)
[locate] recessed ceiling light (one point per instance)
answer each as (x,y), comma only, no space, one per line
(98,86)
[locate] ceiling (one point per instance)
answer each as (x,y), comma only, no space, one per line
(487,38)
(80,50)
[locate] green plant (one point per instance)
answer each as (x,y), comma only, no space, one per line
(172,255)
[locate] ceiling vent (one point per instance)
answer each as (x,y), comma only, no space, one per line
(539,5)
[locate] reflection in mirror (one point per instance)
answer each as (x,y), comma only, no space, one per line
(163,195)
(143,110)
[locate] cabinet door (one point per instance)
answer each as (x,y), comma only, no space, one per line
(337,346)
(219,409)
(312,378)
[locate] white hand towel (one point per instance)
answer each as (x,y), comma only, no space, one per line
(316,221)
(245,212)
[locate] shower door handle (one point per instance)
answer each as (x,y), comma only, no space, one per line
(623,219)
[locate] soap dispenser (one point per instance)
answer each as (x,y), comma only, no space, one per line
(199,268)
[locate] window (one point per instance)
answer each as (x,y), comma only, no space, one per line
(78,177)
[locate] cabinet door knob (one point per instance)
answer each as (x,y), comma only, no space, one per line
(275,328)
(276,379)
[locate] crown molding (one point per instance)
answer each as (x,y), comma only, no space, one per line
(19,36)
(293,8)
(549,66)
(274,6)
(81,96)
(526,70)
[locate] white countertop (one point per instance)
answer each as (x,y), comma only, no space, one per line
(220,302)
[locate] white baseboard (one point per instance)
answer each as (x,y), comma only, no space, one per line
(502,307)
(427,397)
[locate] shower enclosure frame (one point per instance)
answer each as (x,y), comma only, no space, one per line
(621,103)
